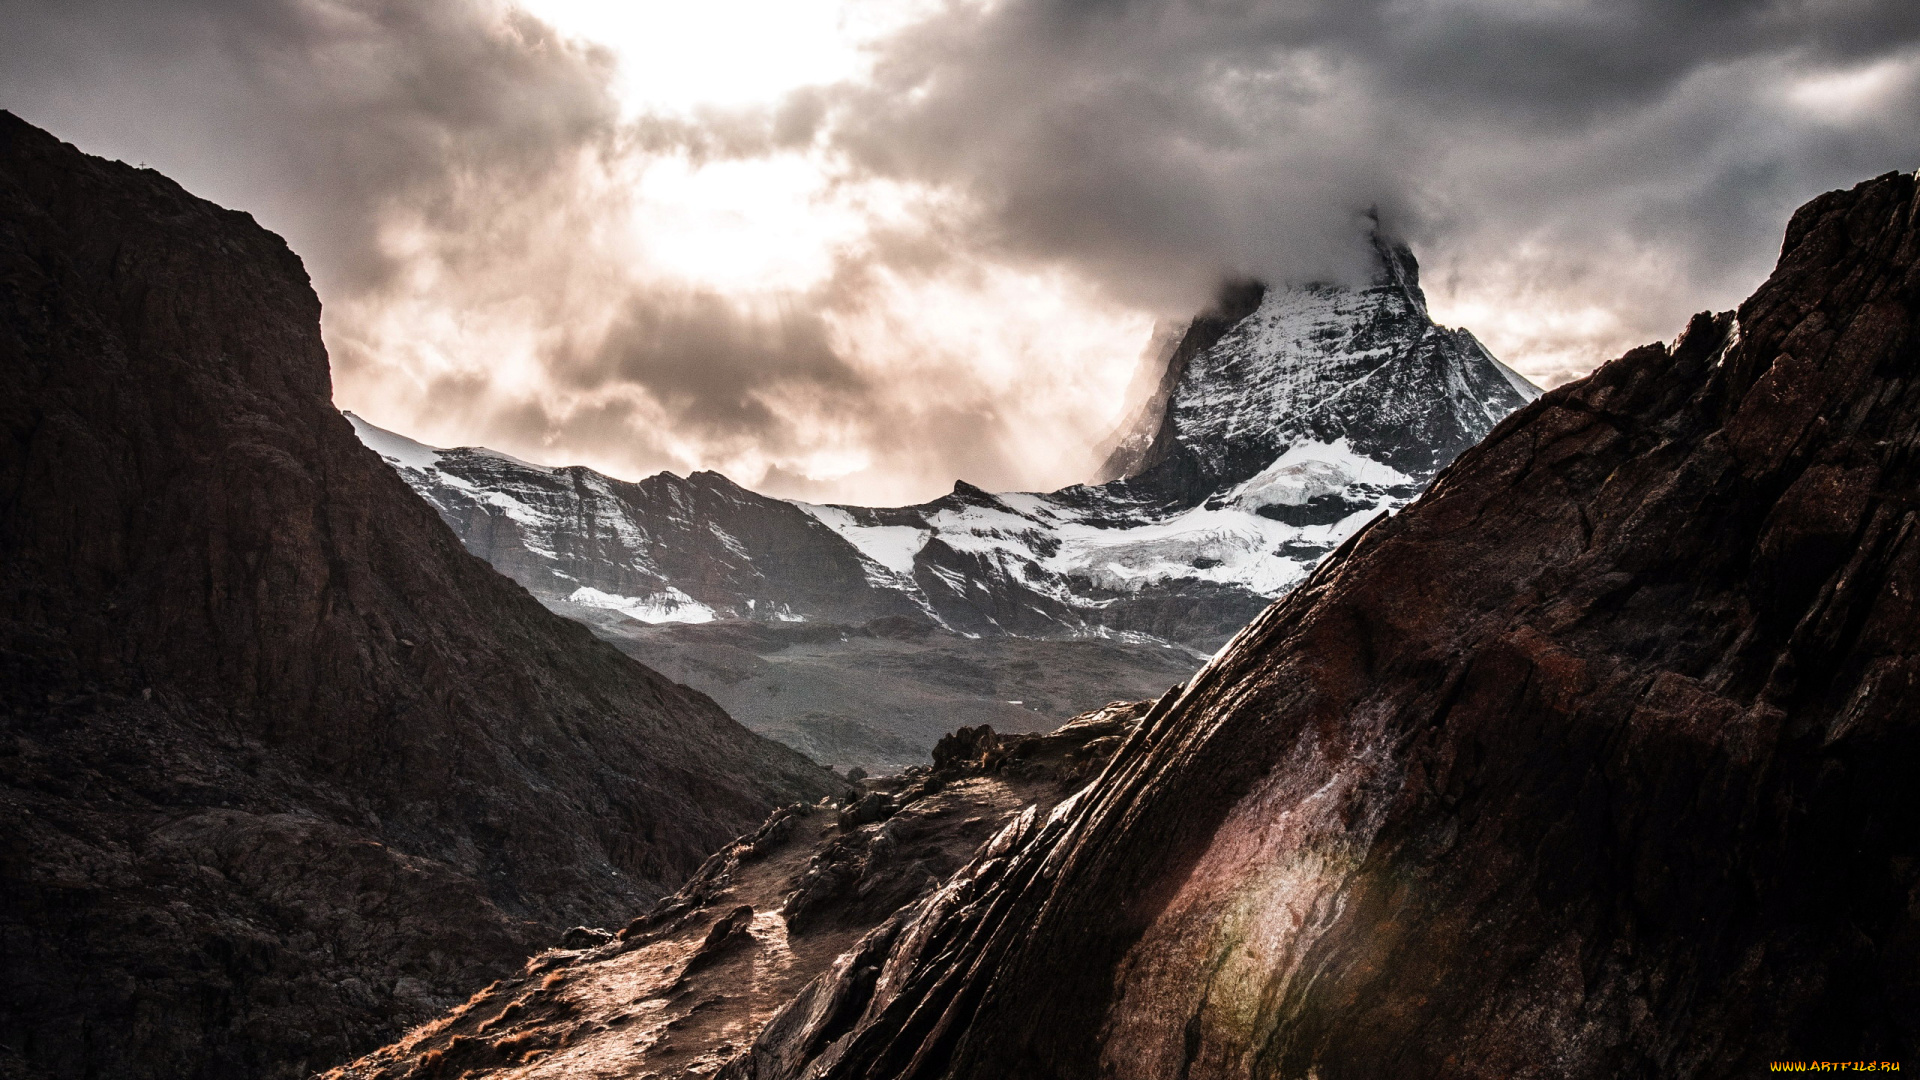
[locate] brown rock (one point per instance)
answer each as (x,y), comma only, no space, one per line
(686,988)
(727,931)
(1597,761)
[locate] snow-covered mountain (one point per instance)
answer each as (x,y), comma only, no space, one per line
(1287,419)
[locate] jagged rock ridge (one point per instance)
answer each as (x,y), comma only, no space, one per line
(1269,369)
(1596,761)
(1291,417)
(680,989)
(283,769)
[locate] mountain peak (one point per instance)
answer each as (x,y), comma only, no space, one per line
(970,493)
(1399,268)
(1317,361)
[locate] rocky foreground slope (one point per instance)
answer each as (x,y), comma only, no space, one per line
(682,989)
(1596,761)
(283,769)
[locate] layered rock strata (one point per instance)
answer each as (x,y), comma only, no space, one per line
(683,989)
(1596,761)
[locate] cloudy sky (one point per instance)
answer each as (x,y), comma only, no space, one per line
(856,249)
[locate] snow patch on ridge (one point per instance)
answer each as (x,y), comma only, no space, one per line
(891,546)
(670,606)
(1221,545)
(409,454)
(396,449)
(1311,469)
(1047,545)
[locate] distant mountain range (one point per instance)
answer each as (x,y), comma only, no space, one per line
(1287,418)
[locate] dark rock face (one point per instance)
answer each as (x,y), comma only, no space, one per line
(283,769)
(1149,437)
(1596,761)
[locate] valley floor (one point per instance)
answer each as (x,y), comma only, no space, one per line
(880,696)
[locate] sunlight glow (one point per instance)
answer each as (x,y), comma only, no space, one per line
(749,52)
(757,224)
(1548,341)
(1029,363)
(1844,95)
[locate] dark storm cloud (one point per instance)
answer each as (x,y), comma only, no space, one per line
(325,117)
(1561,64)
(714,369)
(1160,142)
(1586,173)
(765,385)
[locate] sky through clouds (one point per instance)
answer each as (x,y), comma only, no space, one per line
(855,250)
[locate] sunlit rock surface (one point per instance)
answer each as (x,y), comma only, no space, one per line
(815,890)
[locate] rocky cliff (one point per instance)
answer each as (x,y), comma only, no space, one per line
(1596,761)
(283,769)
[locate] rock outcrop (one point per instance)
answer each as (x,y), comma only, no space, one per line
(815,889)
(1596,761)
(283,768)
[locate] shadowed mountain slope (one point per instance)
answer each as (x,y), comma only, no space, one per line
(283,768)
(1596,761)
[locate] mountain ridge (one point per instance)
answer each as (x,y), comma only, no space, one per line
(1290,416)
